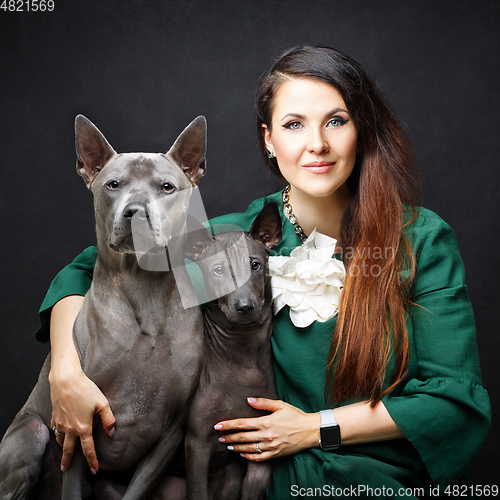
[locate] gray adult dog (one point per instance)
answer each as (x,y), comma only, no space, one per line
(238,358)
(135,339)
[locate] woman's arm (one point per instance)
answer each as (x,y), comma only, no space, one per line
(289,430)
(75,398)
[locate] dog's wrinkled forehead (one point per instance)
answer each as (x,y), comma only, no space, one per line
(238,242)
(143,166)
(237,246)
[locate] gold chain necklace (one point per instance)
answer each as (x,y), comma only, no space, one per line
(288,211)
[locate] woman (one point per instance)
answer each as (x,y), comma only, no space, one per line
(398,363)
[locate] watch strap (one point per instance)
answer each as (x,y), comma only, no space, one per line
(327,417)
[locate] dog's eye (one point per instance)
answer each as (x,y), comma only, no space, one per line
(168,188)
(218,270)
(256,265)
(112,185)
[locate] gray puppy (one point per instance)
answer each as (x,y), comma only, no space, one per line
(238,357)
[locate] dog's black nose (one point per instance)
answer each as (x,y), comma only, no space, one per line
(244,306)
(132,208)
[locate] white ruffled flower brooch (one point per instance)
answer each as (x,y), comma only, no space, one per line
(310,281)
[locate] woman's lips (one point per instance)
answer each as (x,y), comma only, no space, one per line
(319,167)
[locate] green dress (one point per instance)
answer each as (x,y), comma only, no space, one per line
(441,407)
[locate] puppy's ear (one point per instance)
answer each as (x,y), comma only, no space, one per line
(189,150)
(266,227)
(198,240)
(92,149)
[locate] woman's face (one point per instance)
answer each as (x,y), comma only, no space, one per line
(313,136)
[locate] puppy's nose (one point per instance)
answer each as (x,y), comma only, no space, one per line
(133,208)
(244,306)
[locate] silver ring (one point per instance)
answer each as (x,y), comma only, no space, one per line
(56,432)
(257,447)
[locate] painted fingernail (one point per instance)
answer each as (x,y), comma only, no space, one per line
(93,471)
(222,440)
(230,447)
(217,427)
(112,432)
(251,400)
(242,455)
(63,469)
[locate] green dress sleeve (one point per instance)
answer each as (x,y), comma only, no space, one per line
(74,279)
(241,220)
(442,408)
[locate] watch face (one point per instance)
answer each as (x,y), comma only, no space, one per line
(330,436)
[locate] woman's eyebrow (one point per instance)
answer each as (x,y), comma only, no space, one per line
(302,117)
(338,110)
(293,115)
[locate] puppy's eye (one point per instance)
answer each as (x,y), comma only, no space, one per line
(218,270)
(256,265)
(112,185)
(168,188)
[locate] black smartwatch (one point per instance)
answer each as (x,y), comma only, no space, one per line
(329,431)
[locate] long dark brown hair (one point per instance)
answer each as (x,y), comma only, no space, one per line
(371,326)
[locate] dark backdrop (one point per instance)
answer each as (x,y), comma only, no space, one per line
(142,70)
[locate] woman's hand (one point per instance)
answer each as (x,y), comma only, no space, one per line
(285,431)
(75,401)
(289,430)
(75,398)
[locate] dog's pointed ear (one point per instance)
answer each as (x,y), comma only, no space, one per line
(266,227)
(189,150)
(198,240)
(92,149)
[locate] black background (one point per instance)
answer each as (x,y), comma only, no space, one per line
(142,70)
